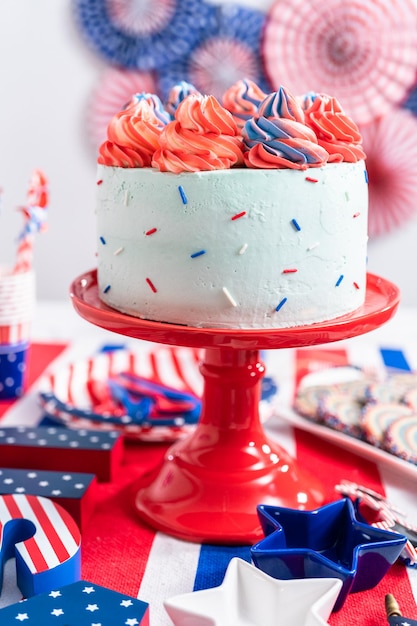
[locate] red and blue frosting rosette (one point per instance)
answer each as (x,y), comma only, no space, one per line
(228,51)
(142,36)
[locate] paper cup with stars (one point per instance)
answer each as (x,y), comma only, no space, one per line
(17,301)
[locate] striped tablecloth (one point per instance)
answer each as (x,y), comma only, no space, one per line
(122,553)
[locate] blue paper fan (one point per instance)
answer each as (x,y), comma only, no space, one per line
(144,36)
(228,52)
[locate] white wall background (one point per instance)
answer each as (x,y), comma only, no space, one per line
(47,75)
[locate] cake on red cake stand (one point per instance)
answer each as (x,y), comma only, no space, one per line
(209,483)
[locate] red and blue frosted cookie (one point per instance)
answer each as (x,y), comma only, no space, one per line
(342,412)
(357,389)
(376,418)
(401,438)
(410,398)
(309,399)
(407,379)
(393,389)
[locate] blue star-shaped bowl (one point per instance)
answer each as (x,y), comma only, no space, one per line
(328,542)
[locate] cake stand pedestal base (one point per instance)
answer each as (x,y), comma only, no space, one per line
(210,483)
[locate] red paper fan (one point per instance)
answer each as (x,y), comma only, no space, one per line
(114,90)
(362,52)
(390,144)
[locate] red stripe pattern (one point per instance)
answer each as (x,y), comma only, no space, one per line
(47,542)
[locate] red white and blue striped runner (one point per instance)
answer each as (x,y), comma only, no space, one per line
(122,553)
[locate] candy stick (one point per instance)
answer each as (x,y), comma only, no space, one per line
(35,213)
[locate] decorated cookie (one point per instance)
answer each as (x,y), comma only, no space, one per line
(401,438)
(357,389)
(309,399)
(406,380)
(377,417)
(342,412)
(386,392)
(410,398)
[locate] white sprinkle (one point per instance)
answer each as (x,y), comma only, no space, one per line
(313,245)
(243,248)
(126,199)
(118,251)
(229,296)
(347,196)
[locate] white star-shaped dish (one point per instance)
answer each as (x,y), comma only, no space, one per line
(249,597)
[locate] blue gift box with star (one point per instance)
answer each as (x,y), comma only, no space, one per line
(79,604)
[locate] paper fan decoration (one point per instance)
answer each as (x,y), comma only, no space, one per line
(113,91)
(228,53)
(411,101)
(142,34)
(363,52)
(390,144)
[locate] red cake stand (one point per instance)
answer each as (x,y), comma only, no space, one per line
(209,483)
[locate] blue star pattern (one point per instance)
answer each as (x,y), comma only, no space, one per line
(328,542)
(79,604)
(56,485)
(61,449)
(57,438)
(75,492)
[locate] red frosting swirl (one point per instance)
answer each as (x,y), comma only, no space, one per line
(203,136)
(336,131)
(119,156)
(132,137)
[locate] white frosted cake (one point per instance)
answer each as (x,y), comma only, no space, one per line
(256,243)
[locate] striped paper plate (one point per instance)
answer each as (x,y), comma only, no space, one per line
(77,395)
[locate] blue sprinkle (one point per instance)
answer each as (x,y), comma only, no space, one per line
(281,304)
(339,280)
(295,224)
(196,254)
(182,194)
(103,241)
(106,289)
(366,176)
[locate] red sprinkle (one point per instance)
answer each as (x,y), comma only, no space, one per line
(312,180)
(99,182)
(150,232)
(236,217)
(151,285)
(289,270)
(356,285)
(356,214)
